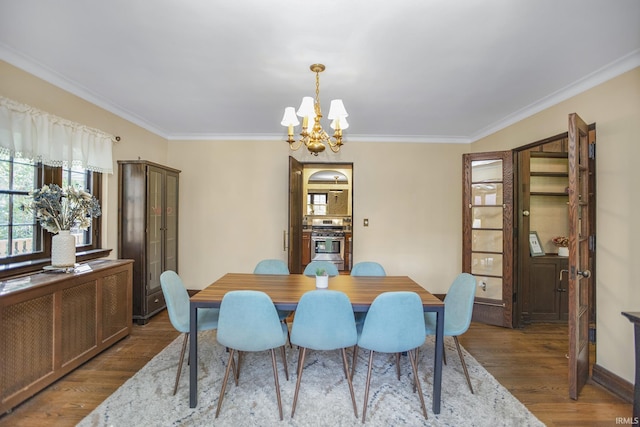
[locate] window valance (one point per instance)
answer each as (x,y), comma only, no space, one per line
(34,134)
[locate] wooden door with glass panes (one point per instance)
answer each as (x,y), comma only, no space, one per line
(581,196)
(487,250)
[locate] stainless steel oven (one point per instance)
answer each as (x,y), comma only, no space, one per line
(328,246)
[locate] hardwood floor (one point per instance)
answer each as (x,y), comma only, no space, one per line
(530,363)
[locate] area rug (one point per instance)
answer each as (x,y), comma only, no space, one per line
(146,398)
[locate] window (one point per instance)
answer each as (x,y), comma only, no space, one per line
(18,236)
(316,203)
(21,237)
(87,180)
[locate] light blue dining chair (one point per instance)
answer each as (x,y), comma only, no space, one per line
(458,310)
(329,267)
(271,266)
(274,266)
(177,299)
(324,321)
(394,324)
(366,268)
(249,322)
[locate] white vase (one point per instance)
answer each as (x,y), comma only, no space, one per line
(322,282)
(63,249)
(562,251)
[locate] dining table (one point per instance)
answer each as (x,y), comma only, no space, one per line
(286,290)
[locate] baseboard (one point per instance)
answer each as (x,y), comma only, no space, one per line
(616,385)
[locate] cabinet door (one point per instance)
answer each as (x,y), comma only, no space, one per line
(171,223)
(306,248)
(155,199)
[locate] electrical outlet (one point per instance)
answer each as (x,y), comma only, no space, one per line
(365,222)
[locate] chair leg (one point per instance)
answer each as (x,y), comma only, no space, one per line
(284,362)
(444,355)
(302,354)
(416,381)
(415,353)
(398,365)
(464,365)
(366,388)
(346,371)
(299,365)
(237,368)
(184,347)
(224,382)
(355,360)
(275,376)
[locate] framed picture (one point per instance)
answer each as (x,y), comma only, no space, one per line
(534,244)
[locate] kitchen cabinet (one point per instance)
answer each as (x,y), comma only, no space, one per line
(306,248)
(148,230)
(54,322)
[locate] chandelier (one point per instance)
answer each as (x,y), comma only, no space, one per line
(312,135)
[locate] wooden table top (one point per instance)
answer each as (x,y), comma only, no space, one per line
(286,290)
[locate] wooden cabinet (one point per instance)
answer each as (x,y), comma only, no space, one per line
(148,230)
(547,295)
(54,322)
(306,248)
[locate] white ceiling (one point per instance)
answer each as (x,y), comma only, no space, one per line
(407,70)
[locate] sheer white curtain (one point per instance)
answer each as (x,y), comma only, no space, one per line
(34,134)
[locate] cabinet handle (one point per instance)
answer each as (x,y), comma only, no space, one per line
(156,300)
(563,271)
(525,213)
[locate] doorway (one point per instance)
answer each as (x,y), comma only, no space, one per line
(320,214)
(542,212)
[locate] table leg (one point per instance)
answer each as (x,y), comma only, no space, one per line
(193,355)
(437,364)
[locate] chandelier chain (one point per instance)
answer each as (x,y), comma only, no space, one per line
(317,106)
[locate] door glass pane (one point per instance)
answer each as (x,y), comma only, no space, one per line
(486,264)
(487,240)
(489,287)
(486,171)
(486,194)
(155,229)
(171,238)
(488,217)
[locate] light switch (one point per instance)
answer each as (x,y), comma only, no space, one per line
(366,222)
